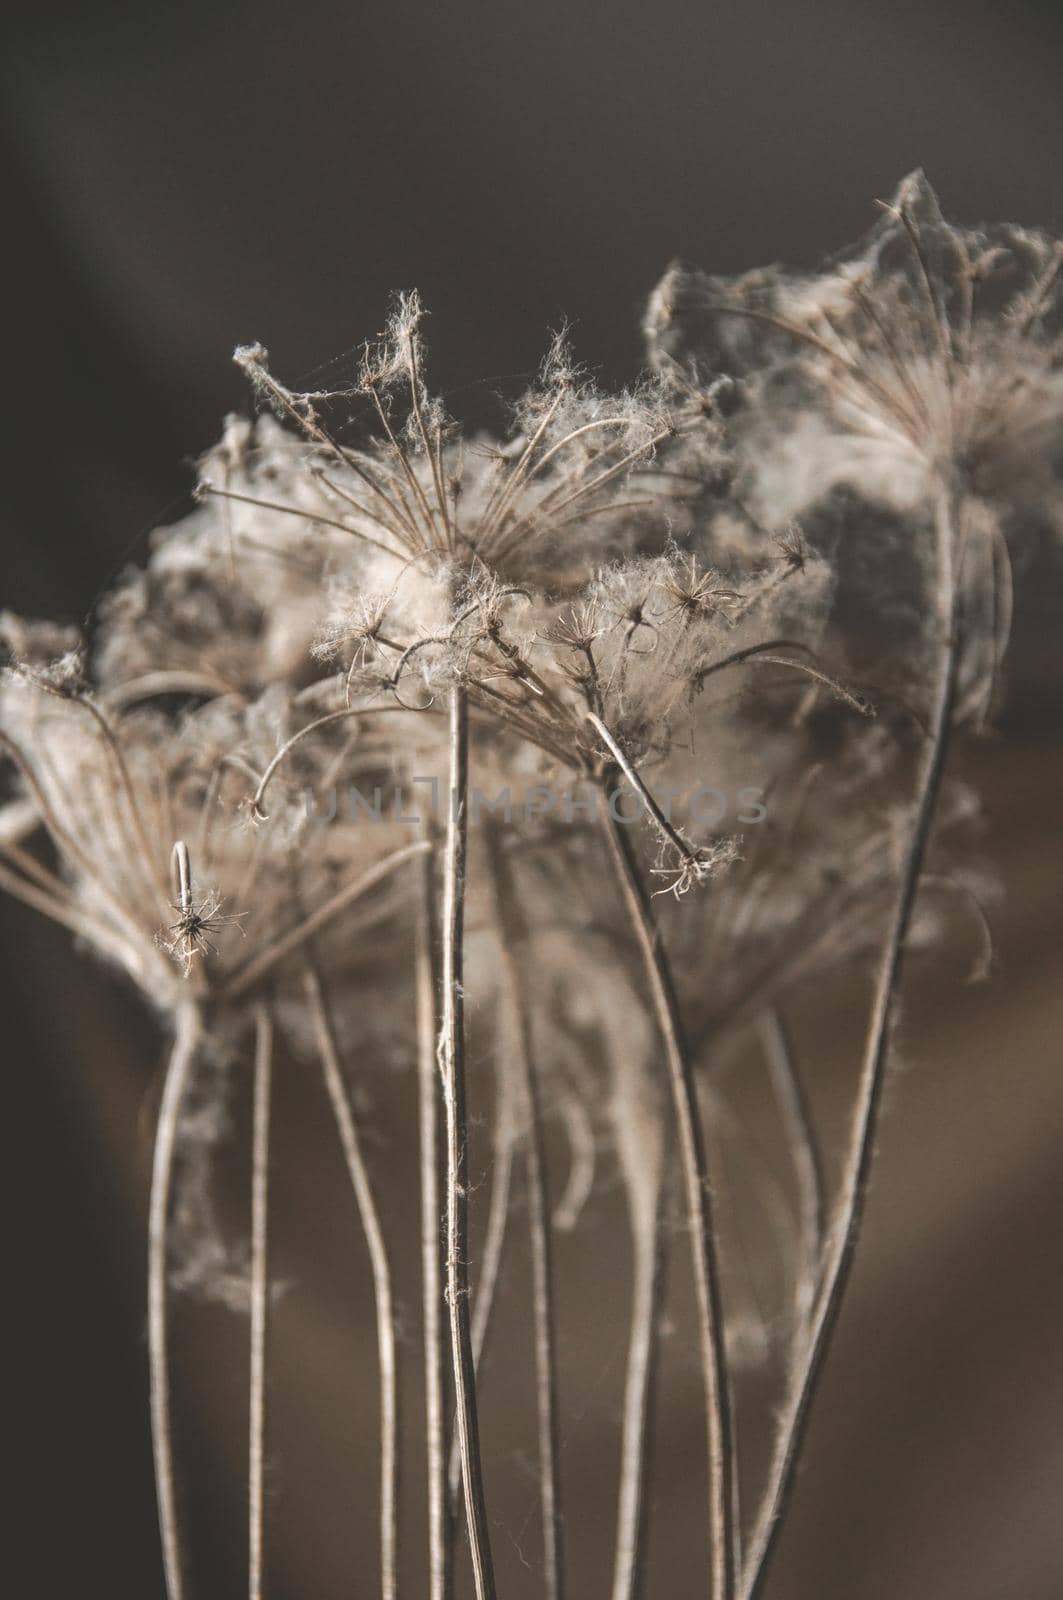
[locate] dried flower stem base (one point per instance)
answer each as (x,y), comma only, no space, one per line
(699,1215)
(849,1208)
(644,1196)
(378,1256)
(262,1094)
(440,1521)
(178,1073)
(513,948)
(452,1067)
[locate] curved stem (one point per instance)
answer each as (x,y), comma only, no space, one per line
(440,1524)
(265,960)
(849,1209)
(495,1236)
(804,1151)
(513,953)
(348,713)
(700,1221)
(638,1388)
(178,1072)
(668,834)
(259,1295)
(452,1067)
(382,1293)
(581,1164)
(640,1148)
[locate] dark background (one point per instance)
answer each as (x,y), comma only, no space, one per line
(178,180)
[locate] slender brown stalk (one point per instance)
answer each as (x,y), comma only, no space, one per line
(513,954)
(263,962)
(849,1208)
(546,1396)
(803,1146)
(452,1067)
(496,1234)
(504,1140)
(719,1429)
(259,1296)
(640,1149)
(382,1292)
(440,1522)
(581,1163)
(186,1038)
(638,1391)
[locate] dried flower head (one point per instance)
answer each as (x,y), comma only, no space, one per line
(149,817)
(229,600)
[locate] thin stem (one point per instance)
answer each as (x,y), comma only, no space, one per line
(286,748)
(260,965)
(498,504)
(581,1161)
(668,834)
(495,1236)
(862,379)
(152,876)
(440,1523)
(151,684)
(178,1071)
(513,955)
(67,844)
(292,511)
(420,499)
(849,1209)
(452,1067)
(638,1389)
(803,1146)
(433,461)
(256,1454)
(361,1183)
(399,529)
(755,654)
(700,1221)
(640,1149)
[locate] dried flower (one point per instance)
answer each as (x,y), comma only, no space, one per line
(920,371)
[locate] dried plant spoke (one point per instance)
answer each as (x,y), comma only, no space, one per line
(270,957)
(694,864)
(327,721)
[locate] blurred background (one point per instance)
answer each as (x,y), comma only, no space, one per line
(181,179)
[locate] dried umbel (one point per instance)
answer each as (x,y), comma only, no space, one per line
(426,508)
(920,371)
(163,868)
(396,718)
(229,601)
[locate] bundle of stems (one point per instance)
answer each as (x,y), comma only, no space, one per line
(619,597)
